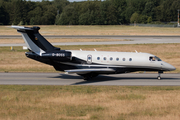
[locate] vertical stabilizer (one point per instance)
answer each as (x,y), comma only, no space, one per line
(34,40)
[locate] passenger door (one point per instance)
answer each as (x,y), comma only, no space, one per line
(89,59)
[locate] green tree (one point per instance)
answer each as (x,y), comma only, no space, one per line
(84,18)
(143,19)
(60,5)
(134,18)
(4,16)
(128,13)
(158,13)
(35,16)
(120,6)
(174,7)
(148,8)
(91,12)
(17,11)
(103,12)
(111,15)
(149,20)
(67,17)
(49,15)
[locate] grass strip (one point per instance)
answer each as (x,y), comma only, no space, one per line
(89,102)
(96,30)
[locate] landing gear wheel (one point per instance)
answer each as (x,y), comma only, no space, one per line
(159,77)
(88,76)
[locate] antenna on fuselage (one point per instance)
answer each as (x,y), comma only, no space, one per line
(80,49)
(95,49)
(136,51)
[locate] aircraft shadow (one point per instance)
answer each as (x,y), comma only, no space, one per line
(109,78)
(102,78)
(67,76)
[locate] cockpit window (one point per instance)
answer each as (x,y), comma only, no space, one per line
(158,59)
(154,58)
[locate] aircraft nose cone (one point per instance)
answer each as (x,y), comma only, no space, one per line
(168,67)
(171,68)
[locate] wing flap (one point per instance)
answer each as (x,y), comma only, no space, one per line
(85,71)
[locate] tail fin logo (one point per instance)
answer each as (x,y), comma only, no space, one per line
(36,38)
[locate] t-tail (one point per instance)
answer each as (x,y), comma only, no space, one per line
(34,40)
(40,49)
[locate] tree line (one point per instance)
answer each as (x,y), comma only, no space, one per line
(91,12)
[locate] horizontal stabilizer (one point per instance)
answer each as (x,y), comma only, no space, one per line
(21,27)
(85,71)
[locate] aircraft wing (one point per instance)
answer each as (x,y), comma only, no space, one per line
(85,71)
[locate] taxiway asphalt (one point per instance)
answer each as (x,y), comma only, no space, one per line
(128,39)
(73,79)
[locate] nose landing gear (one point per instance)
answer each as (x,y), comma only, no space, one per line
(159,75)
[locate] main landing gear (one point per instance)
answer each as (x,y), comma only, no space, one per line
(88,76)
(159,75)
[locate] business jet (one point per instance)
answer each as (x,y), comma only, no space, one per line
(88,64)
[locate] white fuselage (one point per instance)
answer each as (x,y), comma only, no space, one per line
(121,59)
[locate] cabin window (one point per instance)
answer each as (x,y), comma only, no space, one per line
(89,58)
(111,58)
(104,58)
(123,59)
(130,59)
(117,59)
(98,58)
(154,58)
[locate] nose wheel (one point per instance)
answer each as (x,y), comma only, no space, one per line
(159,77)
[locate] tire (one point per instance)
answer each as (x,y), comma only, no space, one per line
(159,77)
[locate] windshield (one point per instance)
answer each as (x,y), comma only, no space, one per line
(154,58)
